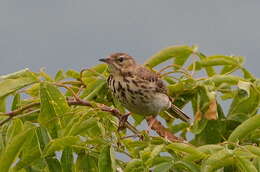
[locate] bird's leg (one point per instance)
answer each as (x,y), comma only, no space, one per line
(122,121)
(150,120)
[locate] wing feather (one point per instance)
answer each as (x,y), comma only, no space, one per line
(152,77)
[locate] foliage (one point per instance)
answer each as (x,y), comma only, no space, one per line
(69,122)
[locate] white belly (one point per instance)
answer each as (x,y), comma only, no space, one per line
(153,106)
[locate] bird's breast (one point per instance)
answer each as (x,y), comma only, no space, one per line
(138,96)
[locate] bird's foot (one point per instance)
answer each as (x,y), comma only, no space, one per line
(122,121)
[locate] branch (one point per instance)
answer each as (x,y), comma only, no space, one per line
(156,125)
(17,112)
(78,101)
(102,107)
(162,131)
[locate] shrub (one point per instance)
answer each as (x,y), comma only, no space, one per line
(69,122)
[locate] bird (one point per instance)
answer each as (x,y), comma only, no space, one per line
(139,89)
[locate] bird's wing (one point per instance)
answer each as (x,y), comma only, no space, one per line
(152,77)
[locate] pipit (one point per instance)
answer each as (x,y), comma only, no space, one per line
(139,89)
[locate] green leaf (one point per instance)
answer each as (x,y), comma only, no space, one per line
(163,167)
(154,153)
(15,81)
(219,80)
(86,163)
(16,102)
(67,160)
(253,149)
(207,149)
(73,74)
(180,53)
(182,147)
(257,163)
(180,59)
(106,160)
(14,128)
(217,60)
(231,68)
(245,165)
(93,72)
(59,75)
(161,159)
(2,140)
(45,75)
(42,137)
(204,107)
(182,86)
(214,131)
(2,104)
(14,148)
(245,128)
(136,165)
(199,125)
(244,86)
(230,63)
(244,104)
(178,127)
(34,90)
(60,144)
(137,118)
(30,153)
(247,74)
(227,69)
(53,107)
(81,126)
(210,70)
(217,160)
(53,164)
(94,89)
(145,154)
(186,165)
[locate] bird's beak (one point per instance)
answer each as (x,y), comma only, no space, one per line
(105,60)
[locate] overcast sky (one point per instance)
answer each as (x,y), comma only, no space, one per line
(75,33)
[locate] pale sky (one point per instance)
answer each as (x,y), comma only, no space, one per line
(75,33)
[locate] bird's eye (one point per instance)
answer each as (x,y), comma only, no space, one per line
(120,59)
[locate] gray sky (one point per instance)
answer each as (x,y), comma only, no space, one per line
(75,33)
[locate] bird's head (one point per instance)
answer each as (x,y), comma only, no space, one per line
(118,62)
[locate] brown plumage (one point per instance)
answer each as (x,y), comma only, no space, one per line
(139,89)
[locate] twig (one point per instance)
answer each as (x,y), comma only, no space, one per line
(80,102)
(169,66)
(157,126)
(68,88)
(176,71)
(116,113)
(17,112)
(162,131)
(113,111)
(20,110)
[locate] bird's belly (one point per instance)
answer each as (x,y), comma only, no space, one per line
(152,105)
(137,99)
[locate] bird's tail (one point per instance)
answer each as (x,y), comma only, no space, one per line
(178,113)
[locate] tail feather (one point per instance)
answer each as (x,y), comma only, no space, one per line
(178,113)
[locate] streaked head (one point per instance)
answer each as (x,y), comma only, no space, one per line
(119,61)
